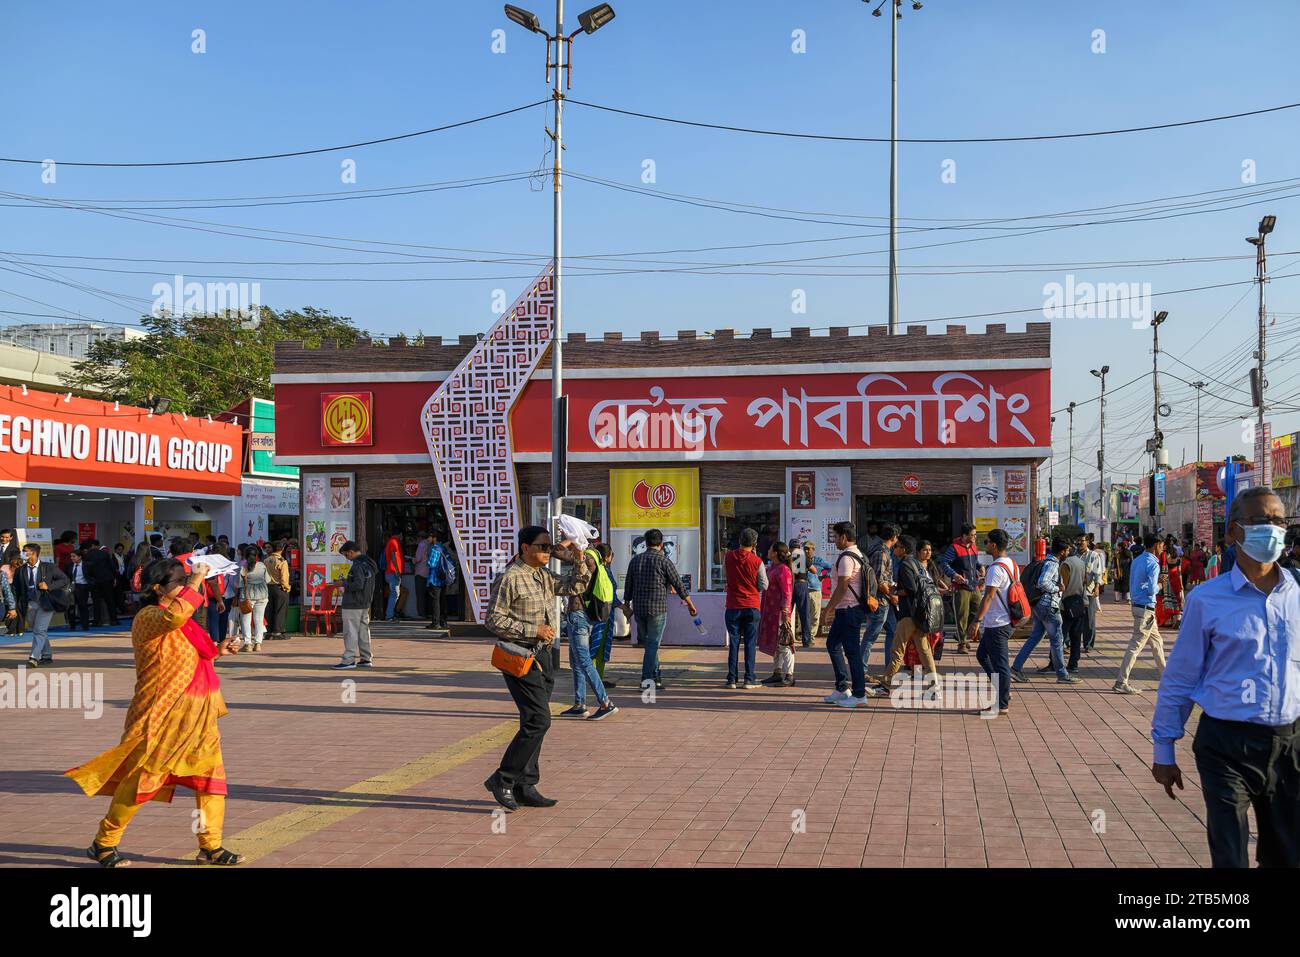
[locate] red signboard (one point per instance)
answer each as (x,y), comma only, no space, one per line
(85,531)
(912,483)
(714,416)
(51,439)
(412,488)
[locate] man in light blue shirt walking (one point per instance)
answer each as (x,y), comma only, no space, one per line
(1144,592)
(1047,617)
(1238,657)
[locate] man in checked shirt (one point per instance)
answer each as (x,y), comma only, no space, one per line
(522,610)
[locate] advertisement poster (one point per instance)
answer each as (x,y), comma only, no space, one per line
(315,576)
(1160,493)
(1000,499)
(1125,498)
(85,531)
(1205,522)
(803,489)
(664,498)
(828,498)
(259,499)
(317,541)
(327,523)
(1284,461)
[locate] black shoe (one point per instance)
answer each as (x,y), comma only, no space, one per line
(787,682)
(604,711)
(365,664)
(529,796)
(504,796)
(47,660)
(609,682)
(773,680)
(577,711)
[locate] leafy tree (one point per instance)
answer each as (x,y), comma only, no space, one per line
(203,363)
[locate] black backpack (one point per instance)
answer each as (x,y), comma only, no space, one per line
(927,603)
(1029,578)
(863,584)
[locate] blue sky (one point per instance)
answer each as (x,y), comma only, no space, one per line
(120,83)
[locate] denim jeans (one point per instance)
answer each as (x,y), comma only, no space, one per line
(584,672)
(742,625)
(1074,621)
(872,625)
(650,632)
(992,655)
(1047,620)
(845,648)
(38,620)
(394,586)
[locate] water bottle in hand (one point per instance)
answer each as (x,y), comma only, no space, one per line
(699,626)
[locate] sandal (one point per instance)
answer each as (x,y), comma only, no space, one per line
(220,856)
(106,856)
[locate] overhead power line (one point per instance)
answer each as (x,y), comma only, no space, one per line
(285,155)
(972,139)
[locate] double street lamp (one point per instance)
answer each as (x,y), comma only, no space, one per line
(893,153)
(588,22)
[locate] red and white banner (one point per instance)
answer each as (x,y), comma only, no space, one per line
(640,414)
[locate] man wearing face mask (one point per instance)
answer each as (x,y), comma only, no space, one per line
(1238,657)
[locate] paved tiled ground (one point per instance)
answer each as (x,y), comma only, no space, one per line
(703,776)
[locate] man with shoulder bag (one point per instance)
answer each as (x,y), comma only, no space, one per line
(522,614)
(42,589)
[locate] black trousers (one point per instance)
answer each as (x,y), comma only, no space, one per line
(105,603)
(1074,618)
(81,600)
(1250,765)
(532,694)
(277,605)
(435,610)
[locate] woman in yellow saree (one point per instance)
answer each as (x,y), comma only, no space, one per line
(171,732)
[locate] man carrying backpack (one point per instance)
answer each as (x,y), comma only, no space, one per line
(586,611)
(914,591)
(852,598)
(1043,589)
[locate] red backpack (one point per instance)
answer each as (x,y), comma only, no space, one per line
(1016,601)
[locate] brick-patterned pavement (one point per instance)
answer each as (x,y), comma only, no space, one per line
(703,776)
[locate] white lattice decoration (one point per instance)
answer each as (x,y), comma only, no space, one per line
(467,427)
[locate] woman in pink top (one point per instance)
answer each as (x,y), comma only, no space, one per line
(776,622)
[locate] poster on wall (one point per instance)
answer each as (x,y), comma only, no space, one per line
(259,499)
(1000,499)
(38,536)
(642,498)
(826,500)
(327,523)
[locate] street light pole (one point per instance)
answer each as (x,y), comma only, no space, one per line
(897,10)
(1200,452)
(1069,491)
(1261,267)
(589,22)
(1101,452)
(1157,437)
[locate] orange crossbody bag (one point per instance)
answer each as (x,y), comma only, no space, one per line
(512,658)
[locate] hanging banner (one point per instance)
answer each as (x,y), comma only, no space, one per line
(999,499)
(817,499)
(642,498)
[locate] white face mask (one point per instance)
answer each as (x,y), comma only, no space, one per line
(1263,543)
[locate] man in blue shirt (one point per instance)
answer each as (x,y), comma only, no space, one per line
(1238,657)
(1047,617)
(1144,592)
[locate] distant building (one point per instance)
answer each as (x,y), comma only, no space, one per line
(71,340)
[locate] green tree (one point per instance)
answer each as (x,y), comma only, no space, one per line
(203,363)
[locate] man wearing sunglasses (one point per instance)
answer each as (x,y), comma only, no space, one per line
(522,610)
(1238,657)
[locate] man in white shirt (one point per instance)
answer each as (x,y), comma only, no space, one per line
(1095,563)
(993,620)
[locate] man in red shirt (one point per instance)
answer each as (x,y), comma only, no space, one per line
(746,579)
(393,568)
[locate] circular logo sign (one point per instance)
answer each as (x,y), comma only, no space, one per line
(911,483)
(412,488)
(346,419)
(660,496)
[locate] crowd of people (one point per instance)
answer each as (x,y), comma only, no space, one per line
(95,585)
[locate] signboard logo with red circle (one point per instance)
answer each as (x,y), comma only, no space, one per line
(660,496)
(912,483)
(412,488)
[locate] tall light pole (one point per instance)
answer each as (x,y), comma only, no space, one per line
(1101,452)
(1156,445)
(588,22)
(1051,467)
(893,154)
(1257,378)
(1198,386)
(1069,491)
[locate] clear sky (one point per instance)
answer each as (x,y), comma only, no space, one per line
(120,83)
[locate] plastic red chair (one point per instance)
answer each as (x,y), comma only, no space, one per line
(322,609)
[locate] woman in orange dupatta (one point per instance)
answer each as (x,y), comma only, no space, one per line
(171,732)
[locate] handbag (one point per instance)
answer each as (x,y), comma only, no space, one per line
(246,606)
(785,631)
(513,659)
